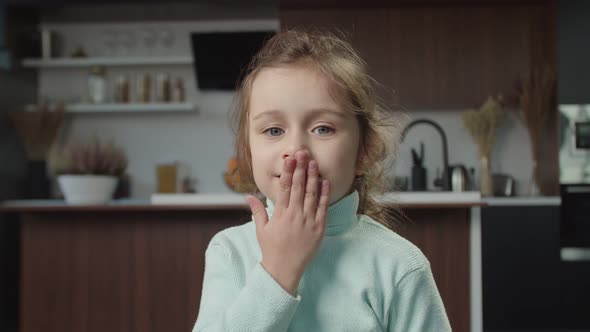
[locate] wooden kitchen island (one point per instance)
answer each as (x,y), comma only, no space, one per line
(139,267)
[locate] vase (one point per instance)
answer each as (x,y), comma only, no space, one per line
(87,189)
(534,188)
(485,176)
(37,180)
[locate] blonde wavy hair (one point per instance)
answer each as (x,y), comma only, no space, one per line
(353,88)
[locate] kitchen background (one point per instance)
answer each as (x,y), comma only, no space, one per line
(202,140)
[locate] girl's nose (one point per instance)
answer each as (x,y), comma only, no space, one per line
(295,144)
(291,152)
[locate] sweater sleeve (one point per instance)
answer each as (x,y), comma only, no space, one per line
(417,305)
(261,304)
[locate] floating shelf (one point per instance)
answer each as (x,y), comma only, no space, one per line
(108,61)
(130,108)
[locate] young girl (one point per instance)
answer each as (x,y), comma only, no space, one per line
(318,256)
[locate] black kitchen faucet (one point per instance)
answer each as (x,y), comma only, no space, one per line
(444,181)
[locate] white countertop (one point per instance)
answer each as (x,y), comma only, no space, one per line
(433,197)
(471,197)
(405,198)
(523,201)
(198,199)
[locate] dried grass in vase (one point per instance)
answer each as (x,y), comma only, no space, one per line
(38,129)
(482,126)
(537,102)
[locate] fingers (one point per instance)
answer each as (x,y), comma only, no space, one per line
(285,182)
(311,190)
(299,178)
(324,202)
(258,212)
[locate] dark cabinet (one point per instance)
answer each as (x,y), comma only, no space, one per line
(573,52)
(526,285)
(520,267)
(4,55)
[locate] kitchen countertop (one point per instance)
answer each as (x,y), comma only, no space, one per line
(164,202)
(523,201)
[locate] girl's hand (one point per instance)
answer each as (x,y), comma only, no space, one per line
(293,235)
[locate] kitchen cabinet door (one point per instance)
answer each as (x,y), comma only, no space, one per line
(520,268)
(526,284)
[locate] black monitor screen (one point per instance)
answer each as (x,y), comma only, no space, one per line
(220,57)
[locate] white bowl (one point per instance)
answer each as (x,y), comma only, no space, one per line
(87,189)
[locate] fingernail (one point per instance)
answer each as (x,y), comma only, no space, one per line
(312,165)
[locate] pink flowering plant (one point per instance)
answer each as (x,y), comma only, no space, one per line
(91,158)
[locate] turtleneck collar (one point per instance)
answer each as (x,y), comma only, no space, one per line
(341,214)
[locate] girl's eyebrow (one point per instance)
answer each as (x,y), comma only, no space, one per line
(312,112)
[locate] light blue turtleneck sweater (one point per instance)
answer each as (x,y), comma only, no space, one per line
(364,277)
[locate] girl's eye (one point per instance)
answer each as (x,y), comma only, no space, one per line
(323,130)
(274,131)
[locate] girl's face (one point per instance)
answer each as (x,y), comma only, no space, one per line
(291,109)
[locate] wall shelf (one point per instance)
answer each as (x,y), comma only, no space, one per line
(130,108)
(107,61)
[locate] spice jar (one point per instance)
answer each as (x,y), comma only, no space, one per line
(97,85)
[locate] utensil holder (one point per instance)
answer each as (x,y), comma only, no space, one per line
(418,178)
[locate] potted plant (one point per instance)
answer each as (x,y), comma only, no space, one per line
(87,173)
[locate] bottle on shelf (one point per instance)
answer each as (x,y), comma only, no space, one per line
(178,91)
(143,88)
(163,88)
(122,91)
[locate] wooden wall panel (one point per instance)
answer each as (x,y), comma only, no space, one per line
(436,57)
